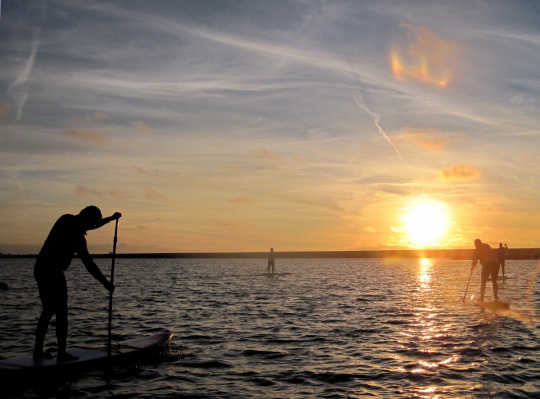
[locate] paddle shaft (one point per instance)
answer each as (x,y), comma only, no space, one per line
(109,341)
(468,282)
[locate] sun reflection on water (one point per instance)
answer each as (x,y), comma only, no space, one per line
(424,275)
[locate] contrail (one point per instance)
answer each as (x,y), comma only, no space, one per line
(376,119)
(23,78)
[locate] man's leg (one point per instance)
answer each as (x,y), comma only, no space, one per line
(494,277)
(62,316)
(41,331)
(484,276)
(47,291)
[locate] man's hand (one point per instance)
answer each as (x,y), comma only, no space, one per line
(109,286)
(117,215)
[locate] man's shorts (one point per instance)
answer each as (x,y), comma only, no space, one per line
(53,292)
(491,269)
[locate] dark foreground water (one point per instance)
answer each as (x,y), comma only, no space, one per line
(334,328)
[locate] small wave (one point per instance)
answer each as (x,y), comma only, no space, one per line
(207,364)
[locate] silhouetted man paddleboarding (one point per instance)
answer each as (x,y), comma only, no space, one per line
(490,266)
(501,256)
(271,261)
(65,239)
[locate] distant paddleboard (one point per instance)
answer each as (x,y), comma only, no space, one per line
(273,274)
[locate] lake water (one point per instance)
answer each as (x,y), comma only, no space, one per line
(333,328)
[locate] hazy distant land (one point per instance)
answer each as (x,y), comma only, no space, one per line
(511,254)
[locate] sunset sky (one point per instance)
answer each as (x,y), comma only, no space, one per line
(230,126)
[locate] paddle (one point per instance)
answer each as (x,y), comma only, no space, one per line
(468,282)
(111,294)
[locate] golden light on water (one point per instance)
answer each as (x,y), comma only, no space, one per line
(424,275)
(426,222)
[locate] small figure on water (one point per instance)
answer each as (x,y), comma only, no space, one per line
(271,262)
(65,239)
(501,255)
(490,267)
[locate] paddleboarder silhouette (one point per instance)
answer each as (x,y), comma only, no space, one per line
(271,261)
(490,266)
(501,255)
(65,239)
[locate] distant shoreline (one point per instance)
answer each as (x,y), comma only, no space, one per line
(464,254)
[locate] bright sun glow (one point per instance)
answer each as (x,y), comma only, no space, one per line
(426,221)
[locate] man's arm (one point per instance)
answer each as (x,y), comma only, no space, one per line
(104,221)
(475,260)
(93,269)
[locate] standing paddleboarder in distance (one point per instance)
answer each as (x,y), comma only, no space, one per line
(271,262)
(501,255)
(490,266)
(65,239)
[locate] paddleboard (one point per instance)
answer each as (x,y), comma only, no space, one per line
(499,278)
(88,358)
(274,274)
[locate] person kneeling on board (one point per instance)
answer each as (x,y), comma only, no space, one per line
(490,267)
(65,239)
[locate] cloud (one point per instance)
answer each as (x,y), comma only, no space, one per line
(85,135)
(139,170)
(142,127)
(95,117)
(119,195)
(263,153)
(153,195)
(85,191)
(458,173)
(430,139)
(424,56)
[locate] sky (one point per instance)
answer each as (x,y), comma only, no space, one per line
(236,126)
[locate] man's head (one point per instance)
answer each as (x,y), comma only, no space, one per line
(477,243)
(90,216)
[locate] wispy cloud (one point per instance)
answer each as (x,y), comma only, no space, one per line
(155,195)
(427,139)
(456,173)
(85,135)
(142,127)
(263,153)
(87,192)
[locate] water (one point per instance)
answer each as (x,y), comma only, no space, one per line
(334,328)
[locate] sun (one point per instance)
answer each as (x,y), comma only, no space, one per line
(425,222)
